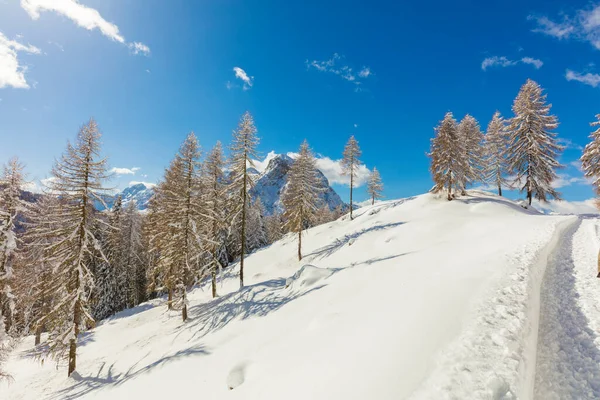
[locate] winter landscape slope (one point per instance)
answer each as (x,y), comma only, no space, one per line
(416,298)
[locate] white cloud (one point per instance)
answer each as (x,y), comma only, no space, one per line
(124,171)
(139,48)
(337,66)
(241,74)
(569,144)
(502,61)
(58,45)
(12,73)
(568,180)
(560,30)
(533,61)
(587,78)
(85,17)
(147,184)
(356,125)
(365,72)
(567,207)
(584,26)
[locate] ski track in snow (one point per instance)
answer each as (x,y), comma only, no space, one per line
(568,360)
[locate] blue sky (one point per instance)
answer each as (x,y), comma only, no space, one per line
(151,71)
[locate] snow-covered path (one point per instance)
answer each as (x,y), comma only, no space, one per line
(568,361)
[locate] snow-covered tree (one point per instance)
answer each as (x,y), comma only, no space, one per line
(471,137)
(301,196)
(257,233)
(590,160)
(78,181)
(274,227)
(533,149)
(243,152)
(495,148)
(177,235)
(447,161)
(351,163)
(215,206)
(5,345)
(374,185)
(11,209)
(133,253)
(38,265)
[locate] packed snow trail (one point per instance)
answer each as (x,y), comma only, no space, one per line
(568,361)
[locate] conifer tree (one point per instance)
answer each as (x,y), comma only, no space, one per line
(178,228)
(133,255)
(351,163)
(533,149)
(447,161)
(273,227)
(374,186)
(471,137)
(78,181)
(243,152)
(38,264)
(590,160)
(257,234)
(495,149)
(12,207)
(215,208)
(301,197)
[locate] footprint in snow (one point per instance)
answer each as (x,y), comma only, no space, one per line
(236,376)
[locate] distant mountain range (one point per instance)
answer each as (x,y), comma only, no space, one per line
(269,185)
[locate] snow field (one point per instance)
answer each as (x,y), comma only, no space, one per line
(418,298)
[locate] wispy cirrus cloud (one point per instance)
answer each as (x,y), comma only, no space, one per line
(12,72)
(584,25)
(502,61)
(588,78)
(338,66)
(85,17)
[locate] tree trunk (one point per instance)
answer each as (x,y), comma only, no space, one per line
(73,341)
(243,233)
(170,299)
(351,184)
(299,245)
(529,197)
(373,200)
(38,334)
(450,188)
(184,312)
(214,283)
(499,190)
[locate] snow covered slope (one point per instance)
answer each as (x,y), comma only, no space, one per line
(415,298)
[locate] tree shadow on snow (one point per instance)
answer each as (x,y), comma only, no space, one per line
(83,385)
(256,300)
(331,248)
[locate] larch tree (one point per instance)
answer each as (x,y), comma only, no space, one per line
(39,265)
(351,163)
(178,234)
(495,167)
(590,160)
(133,253)
(243,154)
(447,161)
(215,206)
(374,186)
(12,208)
(301,196)
(257,233)
(533,149)
(471,137)
(77,179)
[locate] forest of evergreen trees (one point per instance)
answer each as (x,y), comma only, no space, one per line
(65,265)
